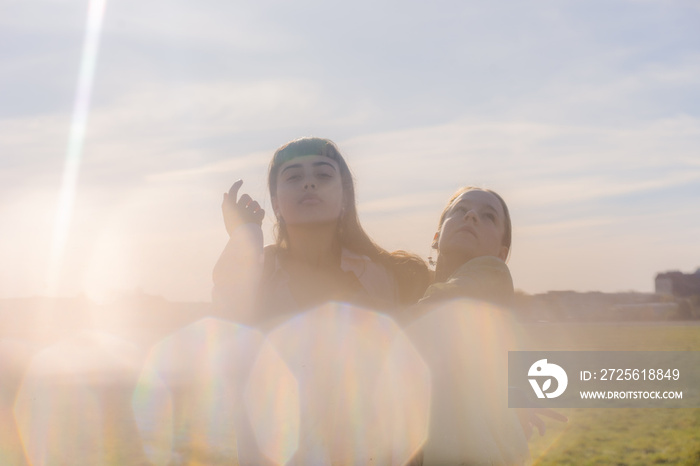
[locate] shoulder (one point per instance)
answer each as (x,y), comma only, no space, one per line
(483,268)
(484,278)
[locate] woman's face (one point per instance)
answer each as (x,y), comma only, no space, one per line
(474,226)
(309,190)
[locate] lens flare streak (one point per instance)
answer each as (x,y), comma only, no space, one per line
(76,139)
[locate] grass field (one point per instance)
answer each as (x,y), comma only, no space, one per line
(617,436)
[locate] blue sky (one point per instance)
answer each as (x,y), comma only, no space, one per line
(585,116)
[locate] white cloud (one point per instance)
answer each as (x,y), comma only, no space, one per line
(177,112)
(393,205)
(561,163)
(256,161)
(206,24)
(599,188)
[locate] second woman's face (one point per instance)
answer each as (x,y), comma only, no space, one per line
(474,226)
(309,190)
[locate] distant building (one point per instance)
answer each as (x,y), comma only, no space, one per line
(678,284)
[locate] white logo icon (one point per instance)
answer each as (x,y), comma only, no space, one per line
(543,369)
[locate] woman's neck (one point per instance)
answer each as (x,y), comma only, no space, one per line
(447,264)
(314,245)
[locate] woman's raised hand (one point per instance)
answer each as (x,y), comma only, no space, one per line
(240,211)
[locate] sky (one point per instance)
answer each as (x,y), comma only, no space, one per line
(123,122)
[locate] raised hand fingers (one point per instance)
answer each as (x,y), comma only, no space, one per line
(259,216)
(552,414)
(539,424)
(233,192)
(254,206)
(244,201)
(258,212)
(536,421)
(251,210)
(557,416)
(524,418)
(238,211)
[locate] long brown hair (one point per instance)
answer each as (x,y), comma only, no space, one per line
(410,271)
